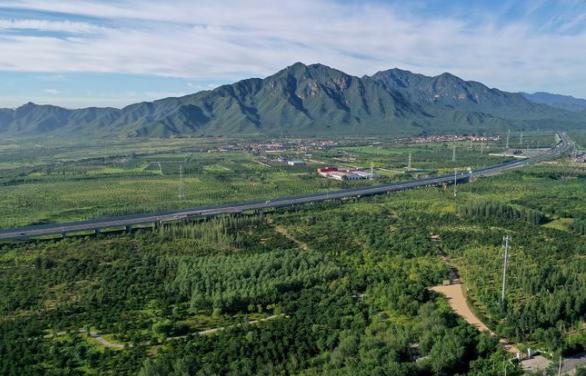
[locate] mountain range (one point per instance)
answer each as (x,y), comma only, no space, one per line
(307,100)
(564,102)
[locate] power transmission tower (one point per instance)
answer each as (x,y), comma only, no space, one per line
(181,188)
(521,139)
(507,240)
(508,137)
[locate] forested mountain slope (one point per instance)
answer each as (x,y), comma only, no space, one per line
(564,102)
(304,100)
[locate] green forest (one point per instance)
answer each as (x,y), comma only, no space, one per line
(338,288)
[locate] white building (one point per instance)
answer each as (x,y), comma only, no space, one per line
(364,174)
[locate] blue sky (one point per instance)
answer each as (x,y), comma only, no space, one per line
(113,53)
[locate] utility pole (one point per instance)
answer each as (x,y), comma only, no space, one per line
(181,189)
(508,137)
(507,240)
(454,154)
(409,164)
(455,181)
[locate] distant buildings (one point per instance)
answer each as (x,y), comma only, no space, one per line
(292,163)
(453,138)
(345,174)
(275,146)
(363,174)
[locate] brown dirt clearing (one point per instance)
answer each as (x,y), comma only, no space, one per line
(457,301)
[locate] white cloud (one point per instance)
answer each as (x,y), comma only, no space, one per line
(44,25)
(228,40)
(52,91)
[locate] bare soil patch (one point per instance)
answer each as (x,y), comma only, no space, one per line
(457,300)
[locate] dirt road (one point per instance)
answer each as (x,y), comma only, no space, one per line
(93,334)
(105,342)
(283,231)
(457,299)
(216,330)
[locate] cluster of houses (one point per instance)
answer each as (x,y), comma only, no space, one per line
(454,138)
(290,162)
(345,174)
(302,146)
(275,146)
(581,157)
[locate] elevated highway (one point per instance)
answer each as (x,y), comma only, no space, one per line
(565,145)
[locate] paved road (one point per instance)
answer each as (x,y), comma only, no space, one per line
(571,363)
(141,219)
